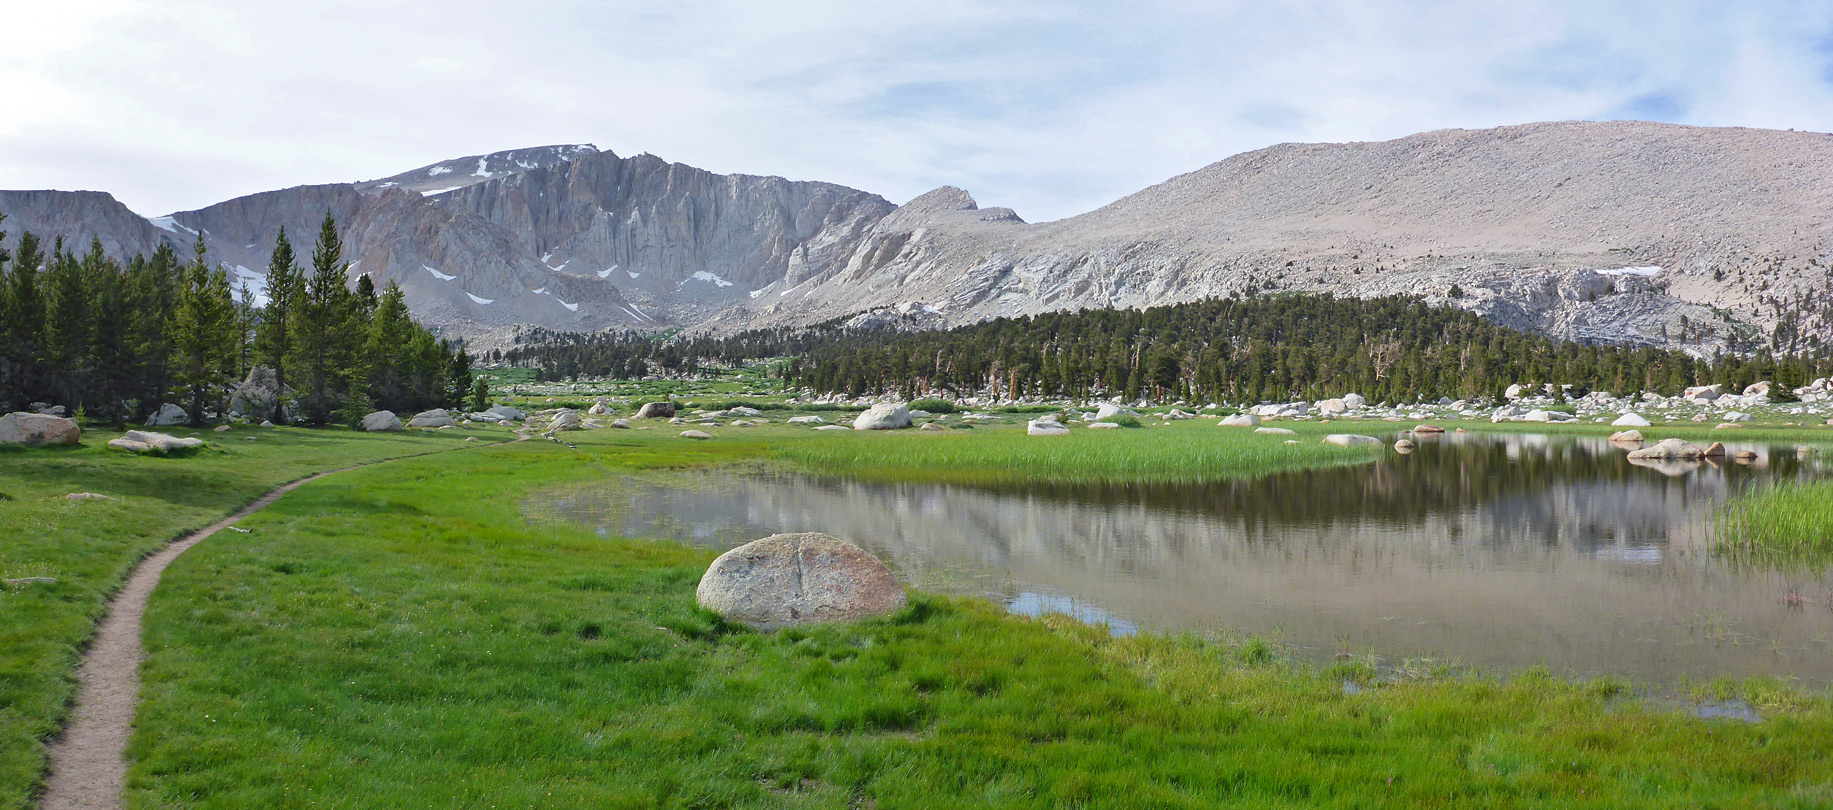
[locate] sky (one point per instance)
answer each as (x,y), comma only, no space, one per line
(1050,108)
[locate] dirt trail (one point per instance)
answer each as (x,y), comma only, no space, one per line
(89,760)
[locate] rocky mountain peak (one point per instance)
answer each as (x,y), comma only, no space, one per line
(457,173)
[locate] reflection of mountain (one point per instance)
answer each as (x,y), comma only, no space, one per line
(1501,552)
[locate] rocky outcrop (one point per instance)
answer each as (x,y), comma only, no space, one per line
(259,395)
(37,430)
(168,414)
(146,441)
(381,420)
(791,580)
(656,410)
(884,416)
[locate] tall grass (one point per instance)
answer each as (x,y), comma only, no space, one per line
(1181,451)
(89,547)
(403,637)
(1789,521)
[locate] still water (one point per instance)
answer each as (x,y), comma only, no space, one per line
(1498,552)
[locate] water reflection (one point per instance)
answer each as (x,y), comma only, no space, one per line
(1499,552)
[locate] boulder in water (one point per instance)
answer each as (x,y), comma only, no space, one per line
(1668,449)
(1350,440)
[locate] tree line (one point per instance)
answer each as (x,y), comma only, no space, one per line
(1277,348)
(116,339)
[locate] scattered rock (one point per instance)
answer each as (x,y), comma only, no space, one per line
(792,580)
(931,426)
(807,420)
(656,410)
(1354,402)
(1745,456)
(265,423)
(168,414)
(37,430)
(1404,445)
(1046,427)
(1537,416)
(435,418)
(1757,389)
(1736,416)
(1350,440)
(1103,425)
(620,424)
(1428,430)
(885,416)
(1109,411)
(1726,426)
(381,420)
(1240,420)
(1273,431)
(1668,448)
(1630,420)
(145,441)
(1332,407)
(222,428)
(564,419)
(833,427)
(1715,450)
(696,434)
(1626,437)
(744,410)
(87,496)
(470,438)
(600,408)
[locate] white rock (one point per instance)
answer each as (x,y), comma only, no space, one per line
(381,420)
(884,416)
(1046,427)
(1273,431)
(1350,440)
(1239,420)
(807,420)
(168,414)
(1354,402)
(1630,420)
(35,429)
(144,441)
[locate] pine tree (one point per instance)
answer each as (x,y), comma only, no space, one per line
(202,330)
(274,333)
(318,339)
(69,322)
(25,323)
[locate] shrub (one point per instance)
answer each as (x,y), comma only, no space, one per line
(933,405)
(1126,421)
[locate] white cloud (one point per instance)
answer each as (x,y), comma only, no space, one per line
(1051,108)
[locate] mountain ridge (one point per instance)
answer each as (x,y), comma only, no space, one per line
(1550,227)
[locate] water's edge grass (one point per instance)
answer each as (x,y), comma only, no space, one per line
(406,637)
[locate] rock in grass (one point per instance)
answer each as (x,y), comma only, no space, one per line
(146,441)
(656,410)
(791,580)
(621,424)
(435,418)
(807,420)
(37,430)
(696,434)
(381,420)
(1103,425)
(833,427)
(1046,427)
(1630,420)
(1427,430)
(931,426)
(1350,440)
(565,419)
(884,416)
(1668,448)
(1240,420)
(1626,437)
(87,496)
(168,414)
(1273,431)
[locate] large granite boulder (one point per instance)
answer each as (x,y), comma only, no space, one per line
(789,580)
(887,416)
(1354,402)
(565,419)
(1332,407)
(1350,440)
(506,413)
(36,429)
(807,420)
(1669,448)
(1046,427)
(381,420)
(435,418)
(168,414)
(1109,410)
(146,441)
(656,410)
(1240,420)
(259,394)
(600,408)
(1631,420)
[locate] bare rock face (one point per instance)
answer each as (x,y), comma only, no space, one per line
(168,414)
(35,430)
(258,395)
(790,580)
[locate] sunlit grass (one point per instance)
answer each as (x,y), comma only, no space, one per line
(404,637)
(89,546)
(1789,522)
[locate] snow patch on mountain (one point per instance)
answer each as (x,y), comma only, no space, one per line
(481,300)
(437,274)
(702,275)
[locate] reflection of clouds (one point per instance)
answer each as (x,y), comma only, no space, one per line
(1504,552)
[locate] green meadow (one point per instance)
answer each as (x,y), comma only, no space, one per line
(403,635)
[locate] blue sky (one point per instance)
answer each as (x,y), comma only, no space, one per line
(1051,108)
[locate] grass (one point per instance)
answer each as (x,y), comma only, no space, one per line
(1788,522)
(1193,450)
(403,636)
(89,546)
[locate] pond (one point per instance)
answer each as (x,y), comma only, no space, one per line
(1494,551)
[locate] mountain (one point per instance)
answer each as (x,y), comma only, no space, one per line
(1696,238)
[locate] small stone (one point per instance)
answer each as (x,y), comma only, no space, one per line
(696,434)
(222,428)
